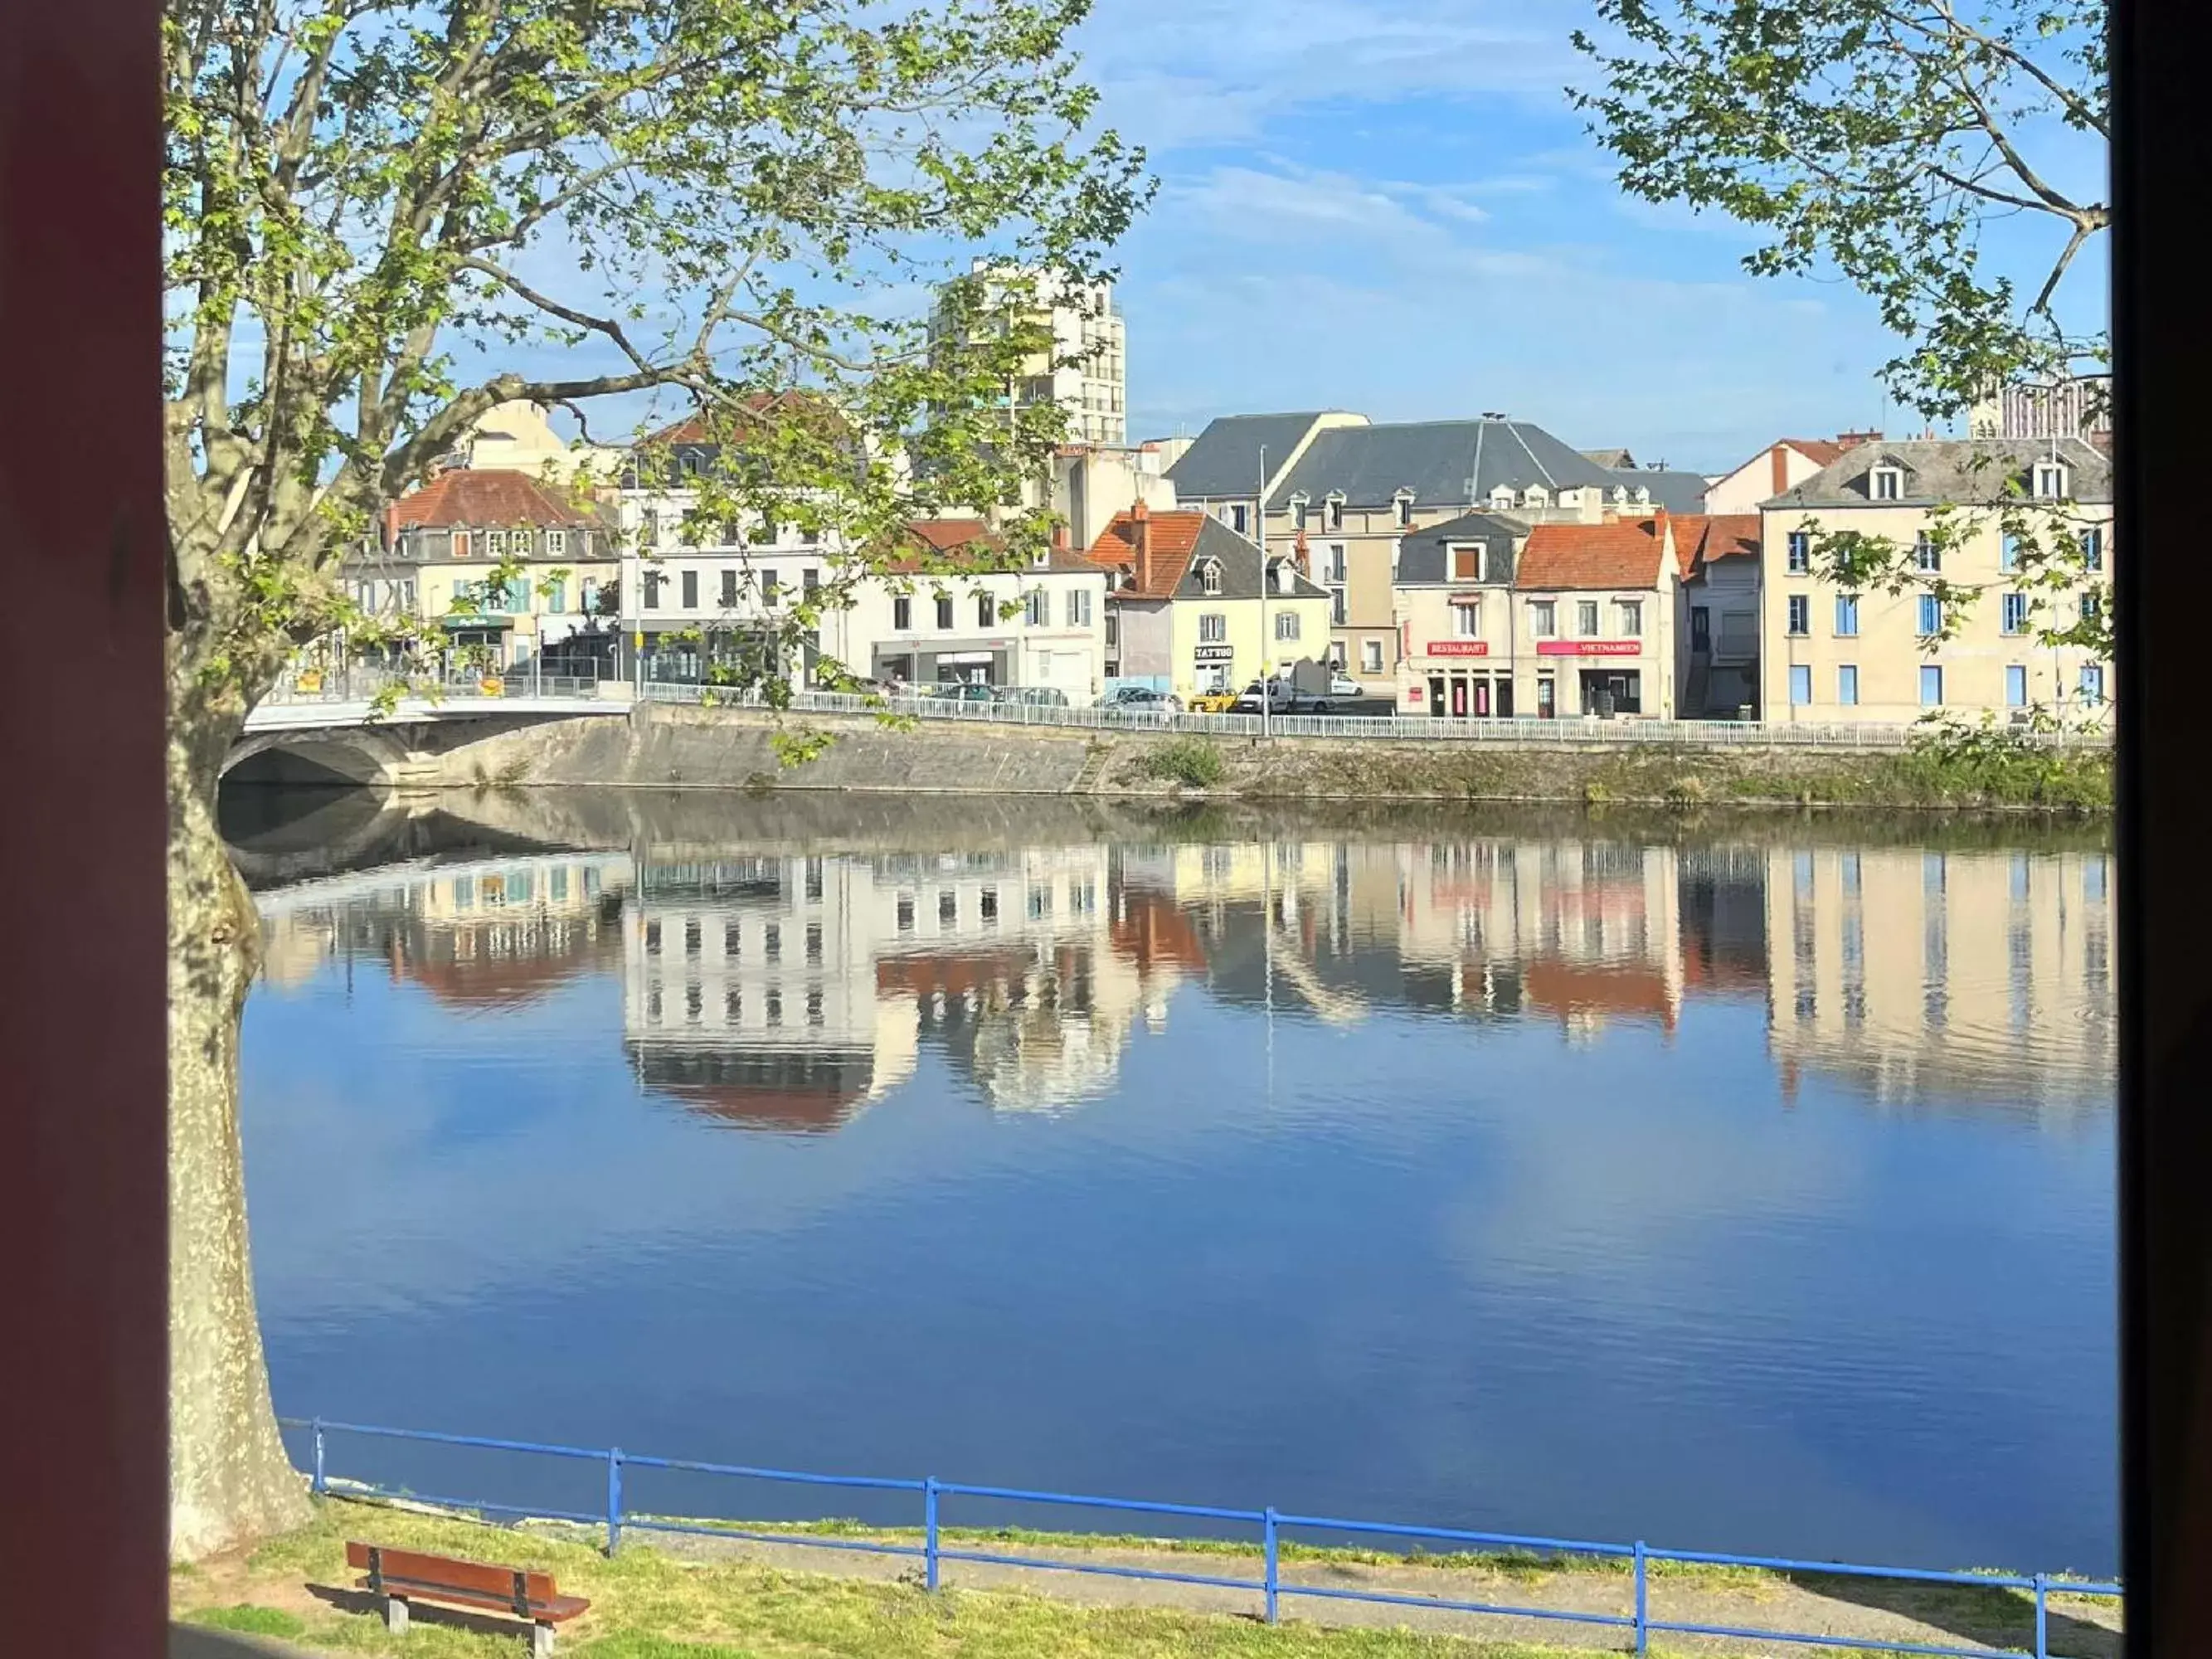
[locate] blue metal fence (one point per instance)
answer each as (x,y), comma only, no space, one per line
(932,1551)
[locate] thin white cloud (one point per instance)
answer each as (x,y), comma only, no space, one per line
(1212,70)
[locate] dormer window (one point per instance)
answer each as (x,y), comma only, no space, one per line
(2050,481)
(1641,495)
(1501,498)
(1466,562)
(1335,510)
(1886,484)
(1209,576)
(1298,512)
(1285,581)
(1538,497)
(557,543)
(1404,501)
(690,465)
(461,544)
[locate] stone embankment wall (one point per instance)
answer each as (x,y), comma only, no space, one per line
(663,747)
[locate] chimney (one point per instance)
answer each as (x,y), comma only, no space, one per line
(1303,553)
(1781,457)
(1140,534)
(1853,439)
(1060,537)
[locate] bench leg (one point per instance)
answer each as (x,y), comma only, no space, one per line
(395,1614)
(541,1642)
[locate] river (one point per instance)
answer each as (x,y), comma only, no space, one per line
(1740,1184)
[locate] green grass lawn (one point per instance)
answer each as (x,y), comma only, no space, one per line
(646,1605)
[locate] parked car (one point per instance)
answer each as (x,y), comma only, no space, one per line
(1282,698)
(964,691)
(1037,696)
(1341,684)
(1212,702)
(1141,699)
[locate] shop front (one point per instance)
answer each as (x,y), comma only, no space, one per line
(1603,688)
(951,662)
(482,641)
(1213,668)
(1455,681)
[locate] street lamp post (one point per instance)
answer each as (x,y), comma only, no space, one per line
(1267,679)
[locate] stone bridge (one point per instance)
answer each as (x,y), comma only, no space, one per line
(291,738)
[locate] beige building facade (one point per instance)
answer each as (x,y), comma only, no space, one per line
(1354,489)
(1192,607)
(498,569)
(1086,371)
(1499,620)
(1781,464)
(1830,654)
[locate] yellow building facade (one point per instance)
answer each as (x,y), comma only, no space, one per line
(1829,654)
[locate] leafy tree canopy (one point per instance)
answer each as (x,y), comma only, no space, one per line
(1890,140)
(1918,148)
(711,200)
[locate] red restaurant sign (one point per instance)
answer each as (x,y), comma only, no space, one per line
(1458,647)
(1589,647)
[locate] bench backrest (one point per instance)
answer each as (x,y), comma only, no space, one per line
(508,1584)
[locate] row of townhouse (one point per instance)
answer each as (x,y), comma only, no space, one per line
(1546,582)
(1484,569)
(623,574)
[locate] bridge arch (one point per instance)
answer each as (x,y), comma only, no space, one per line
(361,755)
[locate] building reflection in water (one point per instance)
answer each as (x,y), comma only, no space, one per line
(1912,973)
(778,991)
(479,933)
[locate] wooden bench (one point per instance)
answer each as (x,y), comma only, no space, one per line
(399,1576)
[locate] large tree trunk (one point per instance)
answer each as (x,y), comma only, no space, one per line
(230,1481)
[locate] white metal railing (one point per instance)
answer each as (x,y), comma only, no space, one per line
(1620,731)
(364,682)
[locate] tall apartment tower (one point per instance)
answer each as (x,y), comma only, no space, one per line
(1087,325)
(2079,407)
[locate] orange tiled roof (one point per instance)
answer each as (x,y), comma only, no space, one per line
(1622,554)
(1174,538)
(496,496)
(1824,452)
(1727,536)
(1700,538)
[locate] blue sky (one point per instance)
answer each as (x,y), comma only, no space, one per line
(1389,206)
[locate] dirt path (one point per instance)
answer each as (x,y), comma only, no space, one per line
(1850,1610)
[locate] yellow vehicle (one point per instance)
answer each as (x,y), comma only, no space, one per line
(1211,702)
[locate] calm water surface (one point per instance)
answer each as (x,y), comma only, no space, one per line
(1747,1188)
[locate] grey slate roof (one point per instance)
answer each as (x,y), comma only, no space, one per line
(1423,557)
(1963,472)
(1368,466)
(1225,459)
(1614,460)
(1677,492)
(1239,558)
